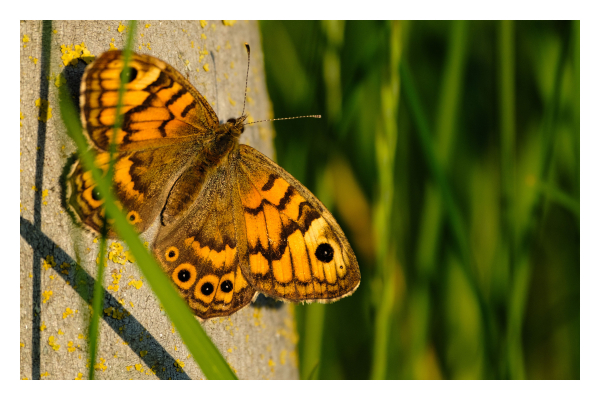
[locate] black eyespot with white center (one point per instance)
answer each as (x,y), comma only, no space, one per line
(227,286)
(184,275)
(207,288)
(96,194)
(132,75)
(324,252)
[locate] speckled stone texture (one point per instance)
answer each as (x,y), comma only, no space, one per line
(58,259)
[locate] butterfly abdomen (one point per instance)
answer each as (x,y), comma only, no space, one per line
(219,144)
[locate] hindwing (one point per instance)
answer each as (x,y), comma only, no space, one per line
(201,253)
(296,251)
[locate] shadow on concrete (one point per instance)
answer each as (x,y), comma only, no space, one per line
(157,356)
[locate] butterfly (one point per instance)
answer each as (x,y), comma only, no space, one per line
(233,223)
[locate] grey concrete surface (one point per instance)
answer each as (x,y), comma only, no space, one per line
(58,259)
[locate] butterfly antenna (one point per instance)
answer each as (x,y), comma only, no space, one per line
(281,119)
(246,91)
(247,71)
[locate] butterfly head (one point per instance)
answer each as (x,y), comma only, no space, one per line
(235,127)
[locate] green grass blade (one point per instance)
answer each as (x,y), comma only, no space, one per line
(506,83)
(560,197)
(386,137)
(97,304)
(457,225)
(314,373)
(206,355)
(313,340)
(98,288)
(432,215)
(576,99)
(445,135)
(516,269)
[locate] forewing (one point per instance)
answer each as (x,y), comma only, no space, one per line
(141,182)
(159,105)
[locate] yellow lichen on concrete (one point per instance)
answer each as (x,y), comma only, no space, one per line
(135,284)
(282,356)
(67,312)
(64,268)
(179,365)
(115,283)
(49,262)
(116,254)
(46,295)
(53,344)
(60,80)
(45,112)
(116,314)
(72,56)
(100,365)
(70,347)
(272,365)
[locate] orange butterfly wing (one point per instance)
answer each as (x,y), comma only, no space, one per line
(164,120)
(201,253)
(159,106)
(295,249)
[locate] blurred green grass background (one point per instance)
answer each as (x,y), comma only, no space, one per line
(449,154)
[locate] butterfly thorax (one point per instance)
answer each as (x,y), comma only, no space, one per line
(224,139)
